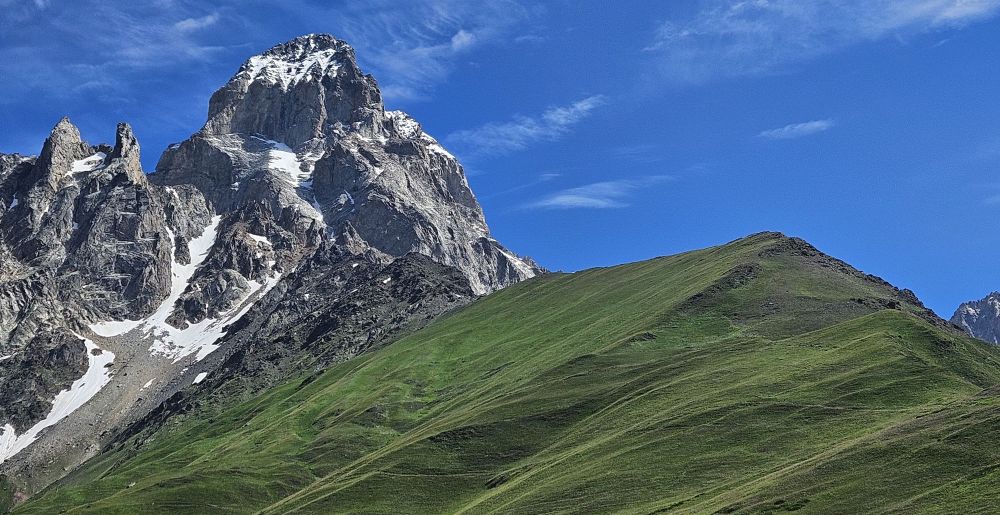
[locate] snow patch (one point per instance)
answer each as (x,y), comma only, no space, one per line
(199,338)
(286,72)
(200,377)
(516,262)
(180,277)
(65,402)
(297,170)
(259,239)
(147,385)
(406,126)
(13,203)
(89,164)
(283,160)
(5,358)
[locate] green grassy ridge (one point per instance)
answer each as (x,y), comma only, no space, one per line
(731,379)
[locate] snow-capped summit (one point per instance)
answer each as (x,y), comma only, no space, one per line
(980,318)
(296,92)
(302,129)
(304,58)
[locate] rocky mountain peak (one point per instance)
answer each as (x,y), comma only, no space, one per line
(62,148)
(980,318)
(295,92)
(302,130)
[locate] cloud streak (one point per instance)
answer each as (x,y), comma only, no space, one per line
(192,24)
(498,138)
(750,37)
(60,56)
(598,195)
(797,130)
(413,46)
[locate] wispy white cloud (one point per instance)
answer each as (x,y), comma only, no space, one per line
(413,46)
(410,46)
(191,24)
(135,39)
(598,195)
(746,37)
(797,130)
(499,138)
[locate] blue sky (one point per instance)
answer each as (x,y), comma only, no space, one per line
(596,133)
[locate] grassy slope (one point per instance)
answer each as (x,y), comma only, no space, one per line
(609,389)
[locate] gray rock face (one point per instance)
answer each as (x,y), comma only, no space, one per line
(296,92)
(980,318)
(299,186)
(83,236)
(303,132)
(49,364)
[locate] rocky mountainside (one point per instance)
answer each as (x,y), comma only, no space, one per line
(980,318)
(303,219)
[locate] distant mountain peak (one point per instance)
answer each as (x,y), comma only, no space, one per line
(980,318)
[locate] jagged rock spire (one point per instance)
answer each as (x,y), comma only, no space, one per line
(61,149)
(127,153)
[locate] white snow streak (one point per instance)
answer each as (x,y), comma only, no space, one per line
(89,164)
(67,401)
(200,377)
(180,277)
(278,71)
(517,263)
(259,239)
(283,160)
(198,338)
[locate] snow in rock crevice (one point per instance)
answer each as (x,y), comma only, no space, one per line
(89,164)
(198,338)
(259,239)
(98,374)
(297,170)
(286,72)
